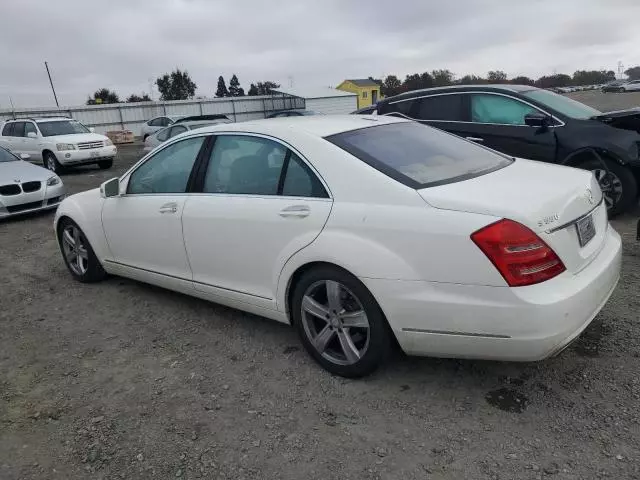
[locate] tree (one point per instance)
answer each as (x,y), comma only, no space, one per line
(590,77)
(135,98)
(522,80)
(102,96)
(554,81)
(222,88)
(497,76)
(633,73)
(176,86)
(471,80)
(234,87)
(391,86)
(263,88)
(412,82)
(442,78)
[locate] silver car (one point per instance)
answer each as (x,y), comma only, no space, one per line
(25,187)
(152,141)
(158,123)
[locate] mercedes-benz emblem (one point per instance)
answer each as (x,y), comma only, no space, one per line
(589,196)
(17,180)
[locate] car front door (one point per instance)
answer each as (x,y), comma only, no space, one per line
(260,202)
(143,225)
(498,121)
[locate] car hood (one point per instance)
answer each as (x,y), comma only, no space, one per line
(624,119)
(21,171)
(78,138)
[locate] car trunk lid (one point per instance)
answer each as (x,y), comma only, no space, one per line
(549,199)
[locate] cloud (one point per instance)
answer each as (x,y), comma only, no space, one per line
(123,45)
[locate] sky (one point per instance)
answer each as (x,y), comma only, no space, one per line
(124,45)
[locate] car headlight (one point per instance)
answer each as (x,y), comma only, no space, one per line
(54,180)
(108,143)
(65,146)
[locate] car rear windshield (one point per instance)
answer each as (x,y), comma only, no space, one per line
(419,156)
(562,104)
(61,127)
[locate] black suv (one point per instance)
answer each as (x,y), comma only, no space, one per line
(537,124)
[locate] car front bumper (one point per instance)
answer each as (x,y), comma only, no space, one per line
(44,199)
(93,155)
(499,323)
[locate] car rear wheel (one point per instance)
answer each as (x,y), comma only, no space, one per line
(340,323)
(104,164)
(78,255)
(51,162)
(617,182)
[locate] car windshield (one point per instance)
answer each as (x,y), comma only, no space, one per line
(562,104)
(61,127)
(6,156)
(417,155)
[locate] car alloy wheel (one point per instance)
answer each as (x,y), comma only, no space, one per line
(51,163)
(610,185)
(75,250)
(335,322)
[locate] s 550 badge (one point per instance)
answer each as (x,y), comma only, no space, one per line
(547,220)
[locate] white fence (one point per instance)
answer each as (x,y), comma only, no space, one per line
(131,116)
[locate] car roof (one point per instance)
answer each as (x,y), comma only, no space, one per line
(462,88)
(316,125)
(39,119)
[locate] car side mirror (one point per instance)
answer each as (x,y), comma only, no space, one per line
(25,156)
(110,188)
(92,130)
(32,135)
(537,120)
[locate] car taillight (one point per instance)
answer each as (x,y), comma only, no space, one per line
(518,253)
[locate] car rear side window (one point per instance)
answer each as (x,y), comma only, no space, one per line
(440,107)
(417,155)
(7,130)
(18,129)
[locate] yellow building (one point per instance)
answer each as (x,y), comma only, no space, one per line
(367,90)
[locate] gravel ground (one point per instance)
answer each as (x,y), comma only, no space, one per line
(607,102)
(123,380)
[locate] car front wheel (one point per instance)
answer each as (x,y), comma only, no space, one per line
(340,323)
(617,182)
(51,162)
(78,255)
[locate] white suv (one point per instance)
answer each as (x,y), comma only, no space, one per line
(57,142)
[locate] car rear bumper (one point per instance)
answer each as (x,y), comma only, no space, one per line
(46,199)
(93,155)
(500,323)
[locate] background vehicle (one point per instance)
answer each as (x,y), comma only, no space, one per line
(536,124)
(157,123)
(632,86)
(181,126)
(57,142)
(371,109)
(25,187)
(292,113)
(613,86)
(263,216)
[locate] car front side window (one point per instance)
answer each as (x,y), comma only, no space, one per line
(168,170)
(498,109)
(440,107)
(242,164)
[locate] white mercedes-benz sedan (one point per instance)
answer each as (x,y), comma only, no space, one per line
(360,231)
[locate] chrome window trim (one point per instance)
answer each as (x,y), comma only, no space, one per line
(556,119)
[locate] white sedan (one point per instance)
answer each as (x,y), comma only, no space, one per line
(360,231)
(25,187)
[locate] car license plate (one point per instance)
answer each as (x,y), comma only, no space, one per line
(95,154)
(586,230)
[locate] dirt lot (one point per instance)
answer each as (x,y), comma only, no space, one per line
(607,102)
(121,380)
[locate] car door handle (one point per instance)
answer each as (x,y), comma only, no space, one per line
(171,207)
(295,211)
(475,139)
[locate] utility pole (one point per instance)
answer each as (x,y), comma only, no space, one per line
(51,82)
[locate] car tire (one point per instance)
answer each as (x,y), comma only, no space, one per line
(622,90)
(51,163)
(79,257)
(144,138)
(350,352)
(105,164)
(619,186)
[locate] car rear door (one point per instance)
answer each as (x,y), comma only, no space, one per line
(17,142)
(6,140)
(260,202)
